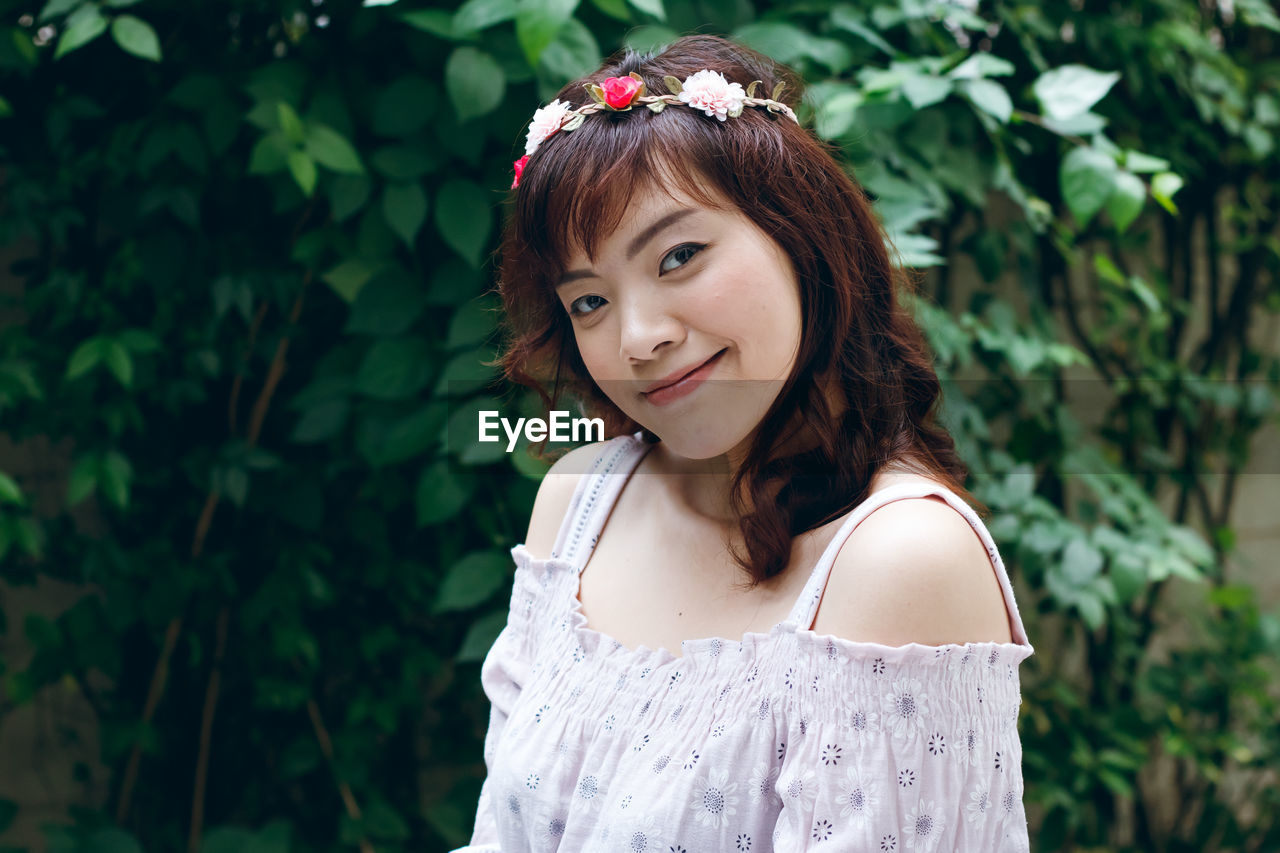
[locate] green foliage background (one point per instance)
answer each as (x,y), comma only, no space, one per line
(256,243)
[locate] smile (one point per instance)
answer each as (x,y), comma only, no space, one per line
(684,385)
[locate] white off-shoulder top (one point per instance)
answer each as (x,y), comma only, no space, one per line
(787,740)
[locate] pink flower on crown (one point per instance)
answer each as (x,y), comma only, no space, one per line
(546,121)
(710,92)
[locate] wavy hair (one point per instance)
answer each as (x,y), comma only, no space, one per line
(857,336)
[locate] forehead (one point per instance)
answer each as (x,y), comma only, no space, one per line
(650,201)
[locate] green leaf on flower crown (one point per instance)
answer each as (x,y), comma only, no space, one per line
(777,90)
(636,76)
(596,93)
(751,88)
(575,122)
(657,106)
(674,86)
(736,111)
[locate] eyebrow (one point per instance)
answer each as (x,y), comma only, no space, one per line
(641,240)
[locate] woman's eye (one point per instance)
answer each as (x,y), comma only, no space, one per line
(682,253)
(578,306)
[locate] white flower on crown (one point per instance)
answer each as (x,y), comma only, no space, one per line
(710,92)
(546,121)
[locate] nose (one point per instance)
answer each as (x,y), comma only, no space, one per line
(647,326)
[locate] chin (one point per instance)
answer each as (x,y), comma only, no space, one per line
(700,440)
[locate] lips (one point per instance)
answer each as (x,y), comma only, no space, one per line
(675,377)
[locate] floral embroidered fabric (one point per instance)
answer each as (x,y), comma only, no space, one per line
(784,741)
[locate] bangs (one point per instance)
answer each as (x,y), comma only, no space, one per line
(577,186)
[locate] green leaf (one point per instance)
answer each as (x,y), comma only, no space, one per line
(139,340)
(476,15)
(1087,177)
(227,839)
(83,479)
(573,54)
(923,90)
(395,368)
(388,305)
(405,209)
(616,9)
(438,22)
(991,98)
(405,106)
(481,636)
(57,7)
(465,374)
(474,81)
(403,162)
(836,110)
(269,154)
(322,421)
(1164,186)
(85,357)
(650,7)
(10,492)
(464,218)
(114,474)
(83,26)
(383,823)
(118,361)
(981,65)
(472,323)
(136,36)
(850,20)
(1081,562)
(1126,199)
(442,493)
(292,126)
(914,251)
(472,580)
(538,22)
(406,438)
(1091,611)
(112,840)
(1084,124)
(1136,161)
(332,150)
(650,39)
(788,43)
(347,194)
(303,169)
(1072,89)
(348,277)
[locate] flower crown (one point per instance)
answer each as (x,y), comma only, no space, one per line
(706,90)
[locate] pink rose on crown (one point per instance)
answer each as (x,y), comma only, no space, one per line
(546,121)
(619,92)
(710,92)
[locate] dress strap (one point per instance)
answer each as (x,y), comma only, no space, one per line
(594,496)
(806,606)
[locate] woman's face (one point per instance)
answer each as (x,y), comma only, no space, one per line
(678,286)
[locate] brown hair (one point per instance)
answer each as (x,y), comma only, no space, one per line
(856,335)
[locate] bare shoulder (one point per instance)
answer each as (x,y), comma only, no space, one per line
(554,494)
(914,571)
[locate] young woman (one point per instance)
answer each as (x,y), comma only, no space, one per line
(763,615)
